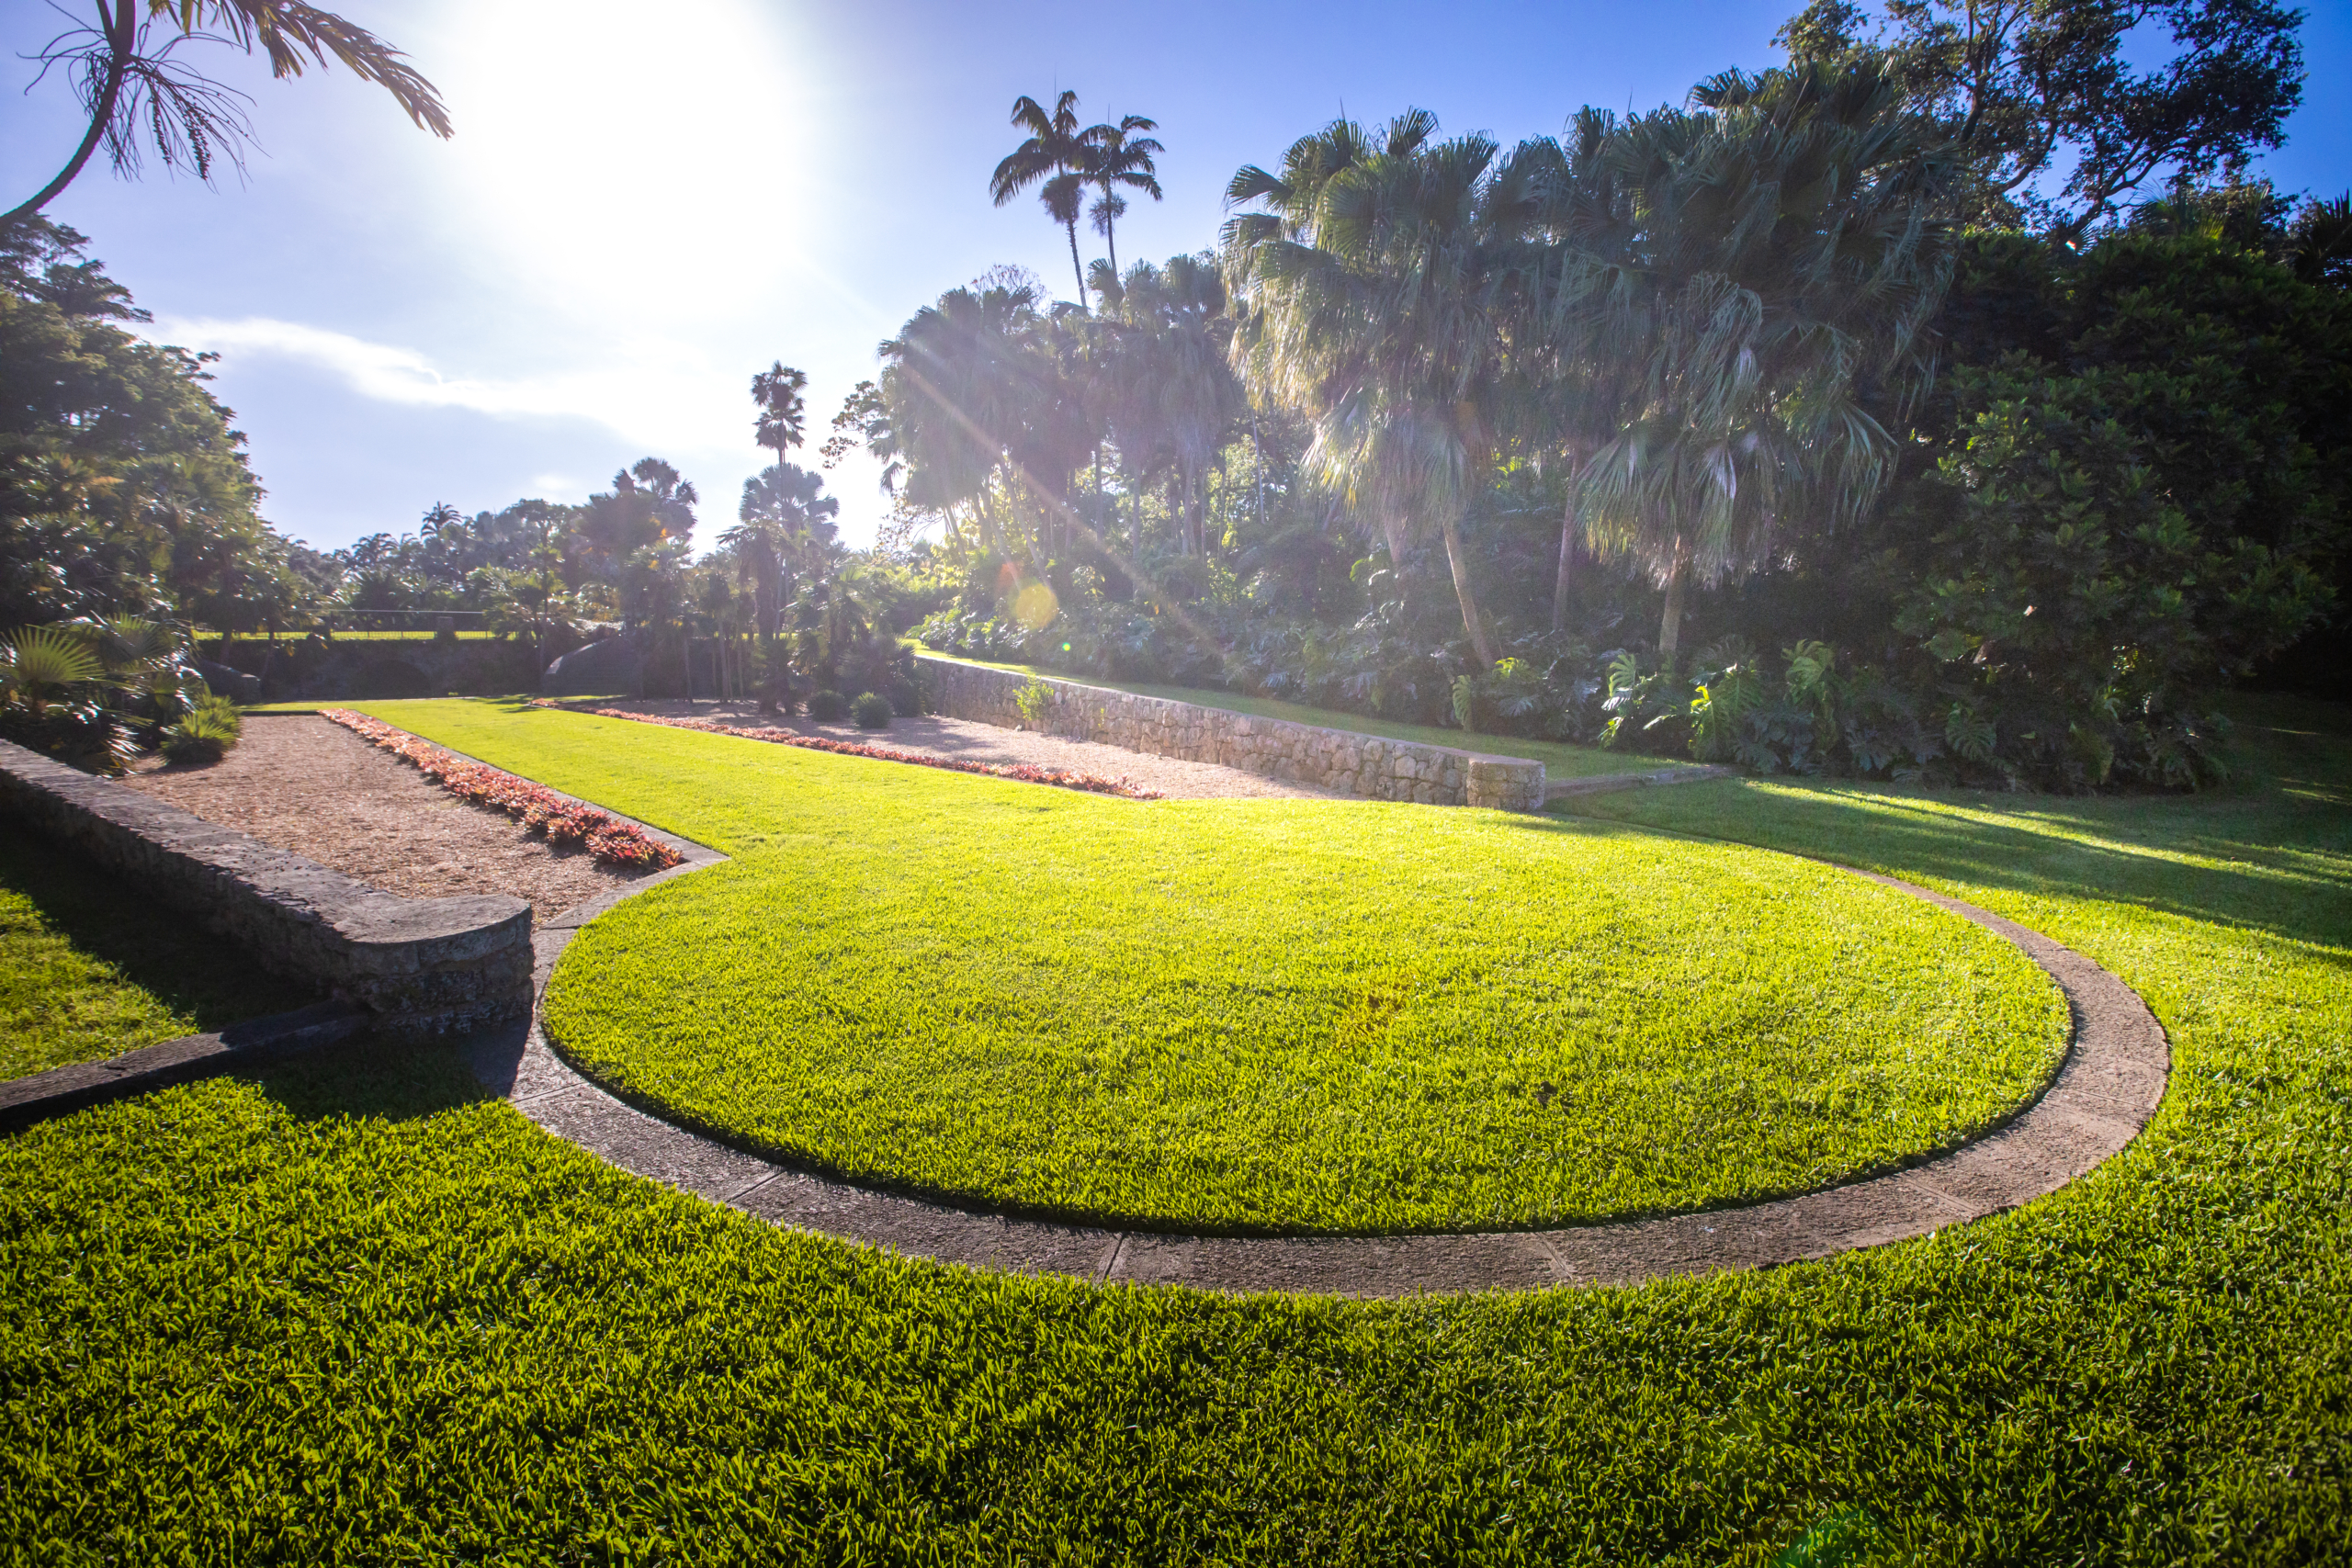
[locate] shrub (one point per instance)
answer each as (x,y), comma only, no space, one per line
(205,732)
(77,690)
(905,694)
(1031,699)
(827,706)
(871,710)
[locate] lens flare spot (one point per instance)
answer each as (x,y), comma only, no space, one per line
(1036,606)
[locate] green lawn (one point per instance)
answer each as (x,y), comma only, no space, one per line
(353,1310)
(466,634)
(1254,1015)
(88,969)
(1560,760)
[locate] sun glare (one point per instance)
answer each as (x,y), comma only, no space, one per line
(613,158)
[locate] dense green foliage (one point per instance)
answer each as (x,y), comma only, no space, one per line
(1258,1014)
(89,969)
(353,1307)
(123,490)
(1708,364)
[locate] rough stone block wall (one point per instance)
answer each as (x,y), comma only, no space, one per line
(419,966)
(1340,760)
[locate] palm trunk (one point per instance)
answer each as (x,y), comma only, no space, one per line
(1669,631)
(1110,237)
(1567,563)
(1469,600)
(1076,271)
(122,38)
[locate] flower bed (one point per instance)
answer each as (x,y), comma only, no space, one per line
(1021,772)
(541,811)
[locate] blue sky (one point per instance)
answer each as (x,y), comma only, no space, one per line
(642,206)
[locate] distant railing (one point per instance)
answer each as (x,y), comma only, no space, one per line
(402,620)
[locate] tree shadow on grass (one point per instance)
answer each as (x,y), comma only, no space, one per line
(147,948)
(2272,853)
(370,1079)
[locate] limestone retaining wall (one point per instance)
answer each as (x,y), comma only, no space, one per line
(418,966)
(1271,748)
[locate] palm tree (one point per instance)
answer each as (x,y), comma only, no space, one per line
(981,395)
(131,83)
(1168,390)
(1058,155)
(1113,160)
(783,422)
(1775,247)
(783,520)
(1560,397)
(1370,292)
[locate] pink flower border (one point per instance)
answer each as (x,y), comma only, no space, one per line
(541,810)
(1020,772)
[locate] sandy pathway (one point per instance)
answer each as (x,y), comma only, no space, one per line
(315,788)
(971,741)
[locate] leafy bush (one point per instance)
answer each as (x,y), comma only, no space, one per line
(827,706)
(1031,699)
(2078,620)
(205,732)
(80,690)
(871,710)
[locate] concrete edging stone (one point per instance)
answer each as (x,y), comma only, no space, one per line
(2111,1082)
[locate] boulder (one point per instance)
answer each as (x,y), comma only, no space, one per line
(613,667)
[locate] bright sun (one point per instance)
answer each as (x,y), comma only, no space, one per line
(613,161)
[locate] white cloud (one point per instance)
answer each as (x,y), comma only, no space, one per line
(661,393)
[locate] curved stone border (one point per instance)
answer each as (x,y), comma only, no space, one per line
(2110,1085)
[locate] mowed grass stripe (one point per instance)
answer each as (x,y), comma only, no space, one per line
(354,1309)
(1258,1016)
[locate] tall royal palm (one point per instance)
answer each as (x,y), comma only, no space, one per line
(1055,157)
(1778,246)
(1370,287)
(1117,157)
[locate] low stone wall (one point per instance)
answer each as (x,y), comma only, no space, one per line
(1271,748)
(418,966)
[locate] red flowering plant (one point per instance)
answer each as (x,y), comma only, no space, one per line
(541,811)
(1021,772)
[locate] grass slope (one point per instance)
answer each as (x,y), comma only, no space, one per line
(351,1310)
(1259,1015)
(88,969)
(1560,760)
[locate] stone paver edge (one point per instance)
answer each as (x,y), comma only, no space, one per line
(2110,1084)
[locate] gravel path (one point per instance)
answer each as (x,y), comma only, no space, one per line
(969,740)
(315,788)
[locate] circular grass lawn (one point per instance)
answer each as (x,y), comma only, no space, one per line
(1295,1016)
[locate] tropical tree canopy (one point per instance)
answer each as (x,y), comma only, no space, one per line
(1372,288)
(1768,261)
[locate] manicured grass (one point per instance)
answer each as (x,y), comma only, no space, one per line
(1258,1015)
(469,633)
(352,1310)
(1560,760)
(89,969)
